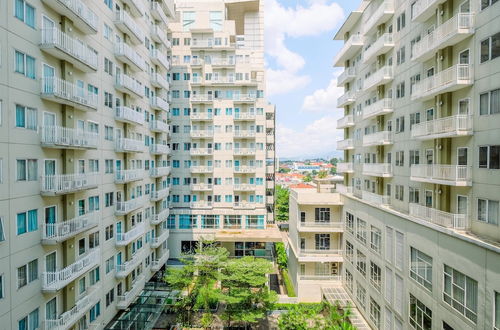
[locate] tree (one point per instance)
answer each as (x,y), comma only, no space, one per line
(284,170)
(334,161)
(282,196)
(307,178)
(323,316)
(281,257)
(322,174)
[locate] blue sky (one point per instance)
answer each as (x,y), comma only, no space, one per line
(300,78)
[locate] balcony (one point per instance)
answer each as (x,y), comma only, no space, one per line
(379,108)
(202,98)
(347,76)
(452,126)
(136,7)
(200,116)
(378,16)
(123,208)
(201,205)
(64,92)
(375,198)
(54,281)
(159,149)
(449,80)
(127,25)
(158,195)
(159,59)
(325,255)
(60,184)
(438,217)
(320,278)
(158,263)
(244,151)
(379,170)
(67,138)
(123,301)
(244,206)
(157,103)
(346,121)
(156,172)
(128,115)
(244,116)
(381,46)
(158,241)
(244,169)
(343,189)
(128,266)
(244,98)
(158,13)
(54,233)
(378,139)
(157,80)
(244,134)
(222,62)
(320,226)
(244,187)
(201,151)
(345,168)
(129,85)
(424,9)
(451,32)
(158,35)
(160,217)
(202,169)
(347,98)
(127,55)
(62,46)
(202,134)
(159,126)
(129,145)
(346,144)
(77,11)
(123,239)
(125,176)
(82,305)
(382,76)
(350,48)
(201,187)
(451,175)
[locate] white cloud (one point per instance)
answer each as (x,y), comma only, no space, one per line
(318,138)
(299,21)
(324,99)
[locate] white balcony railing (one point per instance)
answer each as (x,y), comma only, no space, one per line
(201,116)
(160,217)
(53,281)
(67,183)
(345,168)
(424,9)
(244,169)
(158,58)
(158,103)
(129,145)
(459,125)
(378,138)
(351,46)
(375,198)
(347,98)
(244,151)
(202,133)
(378,16)
(129,115)
(159,194)
(201,205)
(438,217)
(159,171)
(63,46)
(126,207)
(343,189)
(61,231)
(201,151)
(244,187)
(157,241)
(346,121)
(245,116)
(379,77)
(201,187)
(82,16)
(159,126)
(345,144)
(455,175)
(380,169)
(122,270)
(320,278)
(62,91)
(244,134)
(127,24)
(124,176)
(158,80)
(158,35)
(64,137)
(157,12)
(129,85)
(200,98)
(448,80)
(319,253)
(158,263)
(381,46)
(126,54)
(228,61)
(321,225)
(244,206)
(123,239)
(159,149)
(378,108)
(136,7)
(123,301)
(348,75)
(202,169)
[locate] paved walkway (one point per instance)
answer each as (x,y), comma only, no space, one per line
(337,294)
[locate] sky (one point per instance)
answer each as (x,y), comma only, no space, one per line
(301,81)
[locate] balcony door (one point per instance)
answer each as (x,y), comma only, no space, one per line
(49,120)
(464,57)
(50,172)
(322,241)
(51,310)
(50,262)
(462,205)
(463,107)
(50,220)
(48,75)
(462,156)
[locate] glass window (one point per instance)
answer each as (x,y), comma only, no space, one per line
(420,316)
(421,268)
(461,293)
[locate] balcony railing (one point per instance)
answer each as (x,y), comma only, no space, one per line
(67,138)
(346,121)
(320,225)
(127,55)
(454,175)
(448,80)
(159,171)
(343,189)
(123,301)
(320,278)
(202,169)
(158,126)
(123,239)
(62,91)
(158,103)
(53,233)
(244,187)
(53,281)
(380,170)
(83,18)
(160,194)
(127,24)
(202,134)
(378,16)
(351,46)
(319,253)
(380,77)
(375,198)
(122,270)
(379,108)
(230,61)
(159,149)
(244,169)
(438,217)
(158,13)
(201,187)
(126,207)
(136,7)
(158,263)
(244,151)
(201,151)
(61,45)
(348,75)
(59,184)
(459,125)
(201,205)
(159,81)
(124,176)
(244,206)
(129,145)
(347,98)
(378,139)
(157,241)
(158,35)
(346,144)
(381,46)
(345,168)
(128,115)
(201,116)
(245,116)
(244,134)
(129,85)
(447,34)
(158,58)
(160,217)
(424,9)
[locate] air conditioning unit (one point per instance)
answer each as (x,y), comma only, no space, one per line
(335,268)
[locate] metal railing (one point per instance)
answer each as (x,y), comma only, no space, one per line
(348,74)
(355,39)
(124,81)
(82,11)
(159,81)
(377,108)
(385,40)
(447,126)
(345,144)
(68,137)
(244,169)
(60,231)
(160,217)
(345,121)
(345,167)
(160,36)
(244,187)
(377,169)
(123,176)
(319,252)
(201,115)
(378,138)
(159,58)
(62,89)
(122,17)
(372,18)
(125,238)
(202,169)
(159,149)
(160,194)
(244,134)
(438,217)
(128,114)
(202,133)
(122,49)
(375,198)
(244,151)
(125,207)
(382,75)
(321,224)
(157,241)
(129,145)
(201,151)
(346,98)
(158,103)
(320,278)
(201,186)
(159,126)
(66,183)
(159,171)
(157,12)
(439,172)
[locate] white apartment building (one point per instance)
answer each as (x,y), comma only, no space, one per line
(83,158)
(222,129)
(422,180)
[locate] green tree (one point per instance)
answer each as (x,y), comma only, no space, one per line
(282,206)
(281,257)
(322,174)
(307,178)
(334,161)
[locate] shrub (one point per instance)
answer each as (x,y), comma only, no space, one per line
(281,256)
(288,283)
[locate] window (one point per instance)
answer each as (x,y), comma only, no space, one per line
(108,32)
(489,157)
(108,133)
(388,284)
(399,262)
(108,100)
(108,66)
(400,158)
(361,230)
(322,214)
(376,239)
(2,232)
(490,48)
(401,21)
(486,3)
(420,316)
(361,262)
(487,211)
(2,294)
(188,19)
(95,311)
(27,222)
(400,124)
(109,199)
(375,312)
(414,195)
(216,20)
(414,157)
(400,55)
(94,240)
(349,222)
(375,276)
(489,102)
(421,268)
(110,264)
(496,311)
(399,192)
(30,321)
(349,281)
(360,294)
(27,170)
(94,276)
(460,292)
(109,232)
(25,12)
(27,273)
(414,119)
(108,166)
(25,65)
(109,3)
(26,117)
(349,251)
(389,248)
(110,297)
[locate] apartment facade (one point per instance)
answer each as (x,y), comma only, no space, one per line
(421,187)
(83,158)
(222,129)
